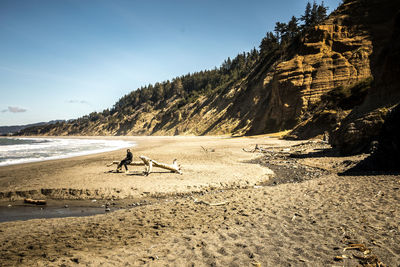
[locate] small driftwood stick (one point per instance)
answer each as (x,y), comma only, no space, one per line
(35,201)
(256,148)
(208,203)
(207,150)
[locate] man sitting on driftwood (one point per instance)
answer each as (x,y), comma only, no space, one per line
(148,163)
(127,160)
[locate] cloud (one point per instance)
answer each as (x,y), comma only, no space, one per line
(14,110)
(78,102)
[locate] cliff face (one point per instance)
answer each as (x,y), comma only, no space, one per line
(330,77)
(328,57)
(364,123)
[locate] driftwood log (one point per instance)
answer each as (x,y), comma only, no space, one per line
(35,201)
(150,163)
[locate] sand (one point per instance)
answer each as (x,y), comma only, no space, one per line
(297,222)
(86,177)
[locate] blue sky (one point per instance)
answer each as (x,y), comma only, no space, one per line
(66,58)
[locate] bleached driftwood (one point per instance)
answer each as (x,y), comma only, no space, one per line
(149,163)
(35,201)
(131,164)
(208,203)
(207,149)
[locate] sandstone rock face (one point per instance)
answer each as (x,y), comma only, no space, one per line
(288,92)
(340,59)
(331,56)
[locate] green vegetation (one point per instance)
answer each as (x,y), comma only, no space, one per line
(287,33)
(190,86)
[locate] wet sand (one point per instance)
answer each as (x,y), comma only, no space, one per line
(296,222)
(54,209)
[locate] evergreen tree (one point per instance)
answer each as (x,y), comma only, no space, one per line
(280,30)
(177,87)
(268,43)
(314,14)
(321,13)
(306,18)
(292,28)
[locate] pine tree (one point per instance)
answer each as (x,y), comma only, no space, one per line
(292,28)
(268,43)
(280,30)
(321,13)
(314,14)
(177,87)
(306,18)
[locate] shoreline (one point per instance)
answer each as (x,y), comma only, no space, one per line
(72,154)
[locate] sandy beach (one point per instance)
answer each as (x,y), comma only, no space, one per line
(274,210)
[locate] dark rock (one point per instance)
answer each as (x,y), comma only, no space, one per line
(355,136)
(386,155)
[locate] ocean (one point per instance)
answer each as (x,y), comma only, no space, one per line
(23,150)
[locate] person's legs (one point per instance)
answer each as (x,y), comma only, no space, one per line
(125,165)
(120,165)
(126,162)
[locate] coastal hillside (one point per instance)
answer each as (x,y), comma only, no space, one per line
(9,130)
(314,74)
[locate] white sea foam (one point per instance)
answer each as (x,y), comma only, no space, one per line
(39,149)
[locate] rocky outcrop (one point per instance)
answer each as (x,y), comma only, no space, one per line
(365,122)
(357,135)
(385,150)
(330,56)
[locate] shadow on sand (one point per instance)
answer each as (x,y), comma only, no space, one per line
(370,166)
(135,173)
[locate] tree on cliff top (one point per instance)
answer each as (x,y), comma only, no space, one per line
(314,15)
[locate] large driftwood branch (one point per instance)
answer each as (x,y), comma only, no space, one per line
(149,163)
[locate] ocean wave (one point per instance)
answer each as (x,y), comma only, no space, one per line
(52,148)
